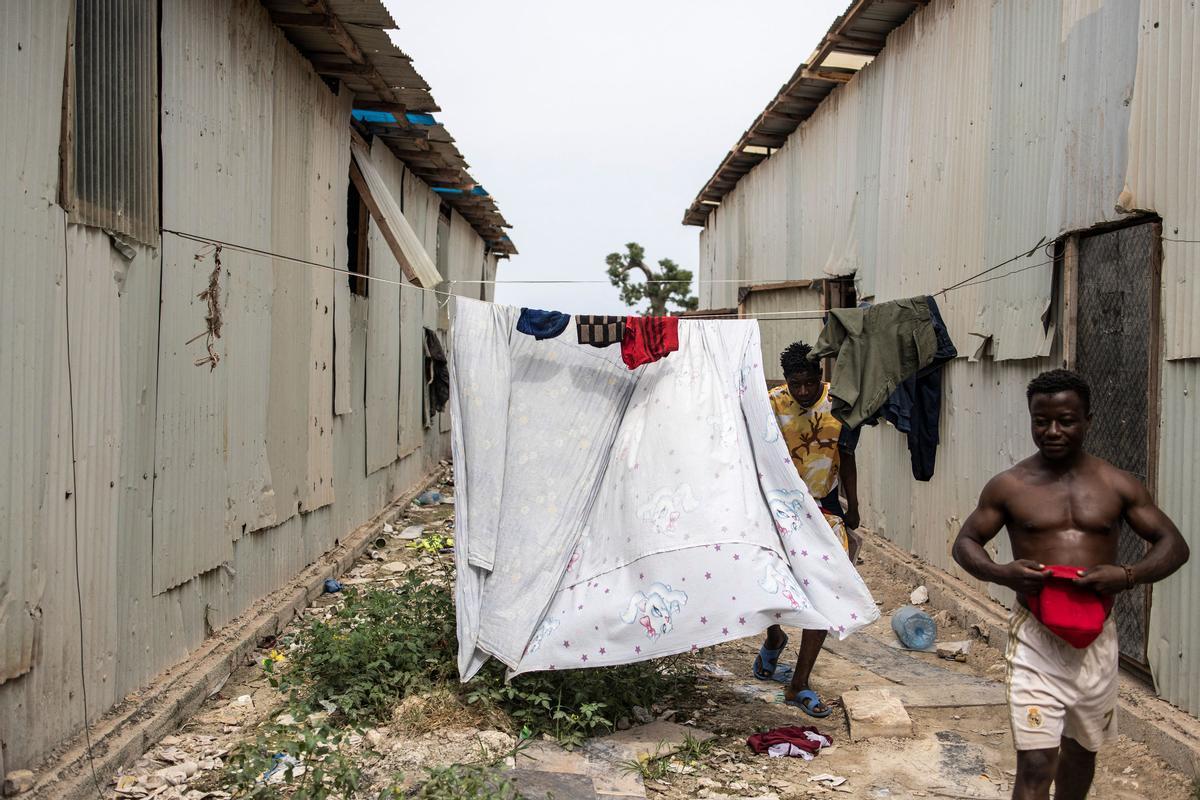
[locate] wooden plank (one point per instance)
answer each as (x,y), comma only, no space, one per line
(339,69)
(1070,285)
(1154,378)
(289,19)
(768,287)
(337,31)
(829,76)
(829,43)
(364,191)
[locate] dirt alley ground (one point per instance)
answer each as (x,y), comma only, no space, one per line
(959,752)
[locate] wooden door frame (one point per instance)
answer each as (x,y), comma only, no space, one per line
(1070,284)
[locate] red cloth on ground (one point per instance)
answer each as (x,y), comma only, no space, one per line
(648,339)
(1076,614)
(762,742)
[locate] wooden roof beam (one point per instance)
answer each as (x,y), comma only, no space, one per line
(337,31)
(827,75)
(829,43)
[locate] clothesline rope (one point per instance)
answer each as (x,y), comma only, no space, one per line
(797,314)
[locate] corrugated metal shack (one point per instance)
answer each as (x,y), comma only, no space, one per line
(923,143)
(183,436)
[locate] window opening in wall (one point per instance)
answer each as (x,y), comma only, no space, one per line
(358,249)
(110,146)
(443,239)
(839,293)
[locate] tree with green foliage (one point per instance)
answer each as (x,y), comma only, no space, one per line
(668,284)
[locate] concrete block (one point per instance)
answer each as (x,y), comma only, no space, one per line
(876,713)
(17,782)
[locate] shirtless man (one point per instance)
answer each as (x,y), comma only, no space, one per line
(1064,507)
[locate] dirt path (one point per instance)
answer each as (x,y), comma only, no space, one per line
(956,751)
(961,752)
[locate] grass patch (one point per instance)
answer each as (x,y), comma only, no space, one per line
(384,646)
(664,762)
(379,647)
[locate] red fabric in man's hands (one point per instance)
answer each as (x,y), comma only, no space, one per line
(1074,613)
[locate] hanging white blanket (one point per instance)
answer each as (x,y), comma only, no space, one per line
(607,516)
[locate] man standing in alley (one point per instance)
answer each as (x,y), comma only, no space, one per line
(823,453)
(1063,509)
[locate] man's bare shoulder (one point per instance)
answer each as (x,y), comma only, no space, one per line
(1125,483)
(1004,484)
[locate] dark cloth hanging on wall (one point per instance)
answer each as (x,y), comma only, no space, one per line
(600,331)
(437,372)
(916,405)
(876,349)
(914,408)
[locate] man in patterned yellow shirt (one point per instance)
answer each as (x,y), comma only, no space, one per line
(823,453)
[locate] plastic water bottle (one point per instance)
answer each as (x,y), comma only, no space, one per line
(914,628)
(430,498)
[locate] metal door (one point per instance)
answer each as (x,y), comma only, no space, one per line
(1117,349)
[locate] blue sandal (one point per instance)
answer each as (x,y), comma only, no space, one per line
(808,700)
(766,663)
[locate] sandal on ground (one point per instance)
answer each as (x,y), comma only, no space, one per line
(807,701)
(767,661)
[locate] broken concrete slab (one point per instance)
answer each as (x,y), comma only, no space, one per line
(538,785)
(951,695)
(606,755)
(609,778)
(954,651)
(656,739)
(896,665)
(876,713)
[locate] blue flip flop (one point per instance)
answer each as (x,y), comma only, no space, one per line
(806,701)
(766,663)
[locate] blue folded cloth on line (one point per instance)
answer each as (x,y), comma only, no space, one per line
(542,324)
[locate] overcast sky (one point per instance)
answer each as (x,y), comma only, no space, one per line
(596,124)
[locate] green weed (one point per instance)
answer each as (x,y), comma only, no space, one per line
(384,645)
(379,646)
(693,750)
(573,705)
(467,782)
(658,766)
(296,763)
(431,543)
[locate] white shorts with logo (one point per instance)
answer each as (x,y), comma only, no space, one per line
(1056,690)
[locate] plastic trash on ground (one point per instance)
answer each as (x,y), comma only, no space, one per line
(914,628)
(430,498)
(332,586)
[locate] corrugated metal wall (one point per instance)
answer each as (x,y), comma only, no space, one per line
(194,491)
(1162,166)
(981,128)
(33,339)
(934,162)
